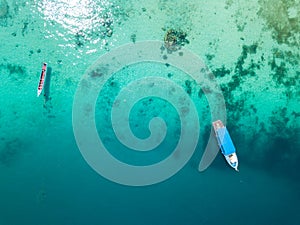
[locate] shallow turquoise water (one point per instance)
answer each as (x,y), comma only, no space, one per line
(251,48)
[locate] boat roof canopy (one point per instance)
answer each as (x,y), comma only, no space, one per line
(225,141)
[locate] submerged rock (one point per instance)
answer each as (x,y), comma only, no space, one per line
(175,39)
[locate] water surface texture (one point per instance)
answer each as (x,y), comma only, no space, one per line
(252,51)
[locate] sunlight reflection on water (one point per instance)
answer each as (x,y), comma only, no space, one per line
(79,23)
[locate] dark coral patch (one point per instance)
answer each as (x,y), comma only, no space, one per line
(174,39)
(239,68)
(282,19)
(96,73)
(16,72)
(188,87)
(99,72)
(221,72)
(133,38)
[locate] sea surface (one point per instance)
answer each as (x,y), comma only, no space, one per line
(124,119)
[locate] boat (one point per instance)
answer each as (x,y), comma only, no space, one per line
(42,79)
(226,145)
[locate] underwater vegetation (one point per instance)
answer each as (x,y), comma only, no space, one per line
(9,151)
(16,72)
(174,39)
(280,64)
(250,70)
(280,154)
(8,10)
(239,75)
(99,71)
(3,8)
(188,87)
(104,31)
(274,140)
(4,12)
(133,38)
(283,18)
(180,14)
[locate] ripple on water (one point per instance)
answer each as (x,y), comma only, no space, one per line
(78,23)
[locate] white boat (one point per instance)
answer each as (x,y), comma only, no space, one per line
(42,79)
(225,143)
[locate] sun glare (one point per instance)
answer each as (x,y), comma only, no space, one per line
(75,15)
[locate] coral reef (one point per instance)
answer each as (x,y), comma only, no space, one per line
(133,38)
(16,72)
(3,9)
(175,39)
(283,18)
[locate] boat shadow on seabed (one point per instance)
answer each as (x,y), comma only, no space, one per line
(47,98)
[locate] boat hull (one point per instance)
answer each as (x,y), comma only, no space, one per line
(225,143)
(42,79)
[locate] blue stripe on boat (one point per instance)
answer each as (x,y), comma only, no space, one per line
(225,141)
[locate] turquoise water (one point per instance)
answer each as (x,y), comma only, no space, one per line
(251,48)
